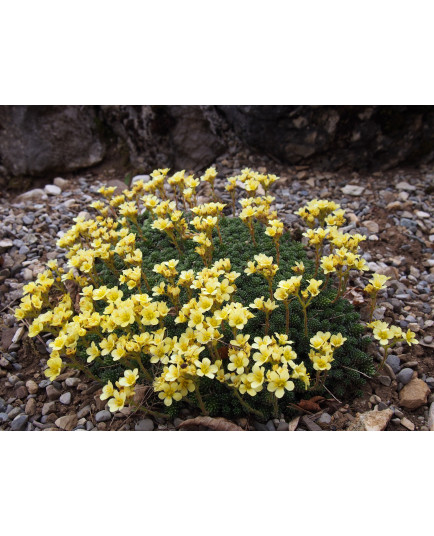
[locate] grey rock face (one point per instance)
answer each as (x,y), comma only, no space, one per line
(333,136)
(38,139)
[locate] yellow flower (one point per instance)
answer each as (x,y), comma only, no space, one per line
(246,386)
(205,368)
(313,287)
(410,338)
(130,378)
(169,392)
(123,316)
(378,281)
(117,402)
(93,352)
(257,376)
(278,381)
(337,340)
(239,361)
(54,368)
(321,363)
(107,391)
(383,335)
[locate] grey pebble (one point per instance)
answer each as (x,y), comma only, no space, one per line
(405,375)
(103,416)
(44,383)
(14,412)
(394,362)
(385,380)
(270,426)
(260,427)
(72,382)
(145,425)
(3,418)
(19,423)
(325,418)
(83,412)
(430,382)
(65,399)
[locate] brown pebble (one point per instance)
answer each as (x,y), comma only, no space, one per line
(32,387)
(30,407)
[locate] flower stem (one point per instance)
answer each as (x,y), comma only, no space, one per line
(143,369)
(199,400)
(247,406)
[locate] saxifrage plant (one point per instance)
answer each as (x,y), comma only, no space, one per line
(222,312)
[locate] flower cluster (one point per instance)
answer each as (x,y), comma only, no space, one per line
(157,291)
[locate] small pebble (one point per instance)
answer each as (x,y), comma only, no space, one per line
(65,399)
(145,425)
(103,416)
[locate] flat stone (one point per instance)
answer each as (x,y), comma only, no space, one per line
(407,424)
(6,243)
(72,382)
(18,335)
(19,423)
(283,427)
(52,392)
(65,399)
(14,412)
(352,189)
(67,422)
(371,421)
(32,387)
(61,183)
(325,418)
(405,186)
(312,426)
(48,407)
(145,425)
(84,412)
(103,416)
(405,375)
(52,189)
(34,195)
(372,226)
(414,395)
(385,380)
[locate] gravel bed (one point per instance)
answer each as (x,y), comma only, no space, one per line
(394,208)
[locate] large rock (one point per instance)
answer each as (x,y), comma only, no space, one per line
(337,136)
(194,145)
(36,140)
(180,137)
(414,395)
(371,421)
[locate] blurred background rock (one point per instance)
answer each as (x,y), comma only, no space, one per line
(44,141)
